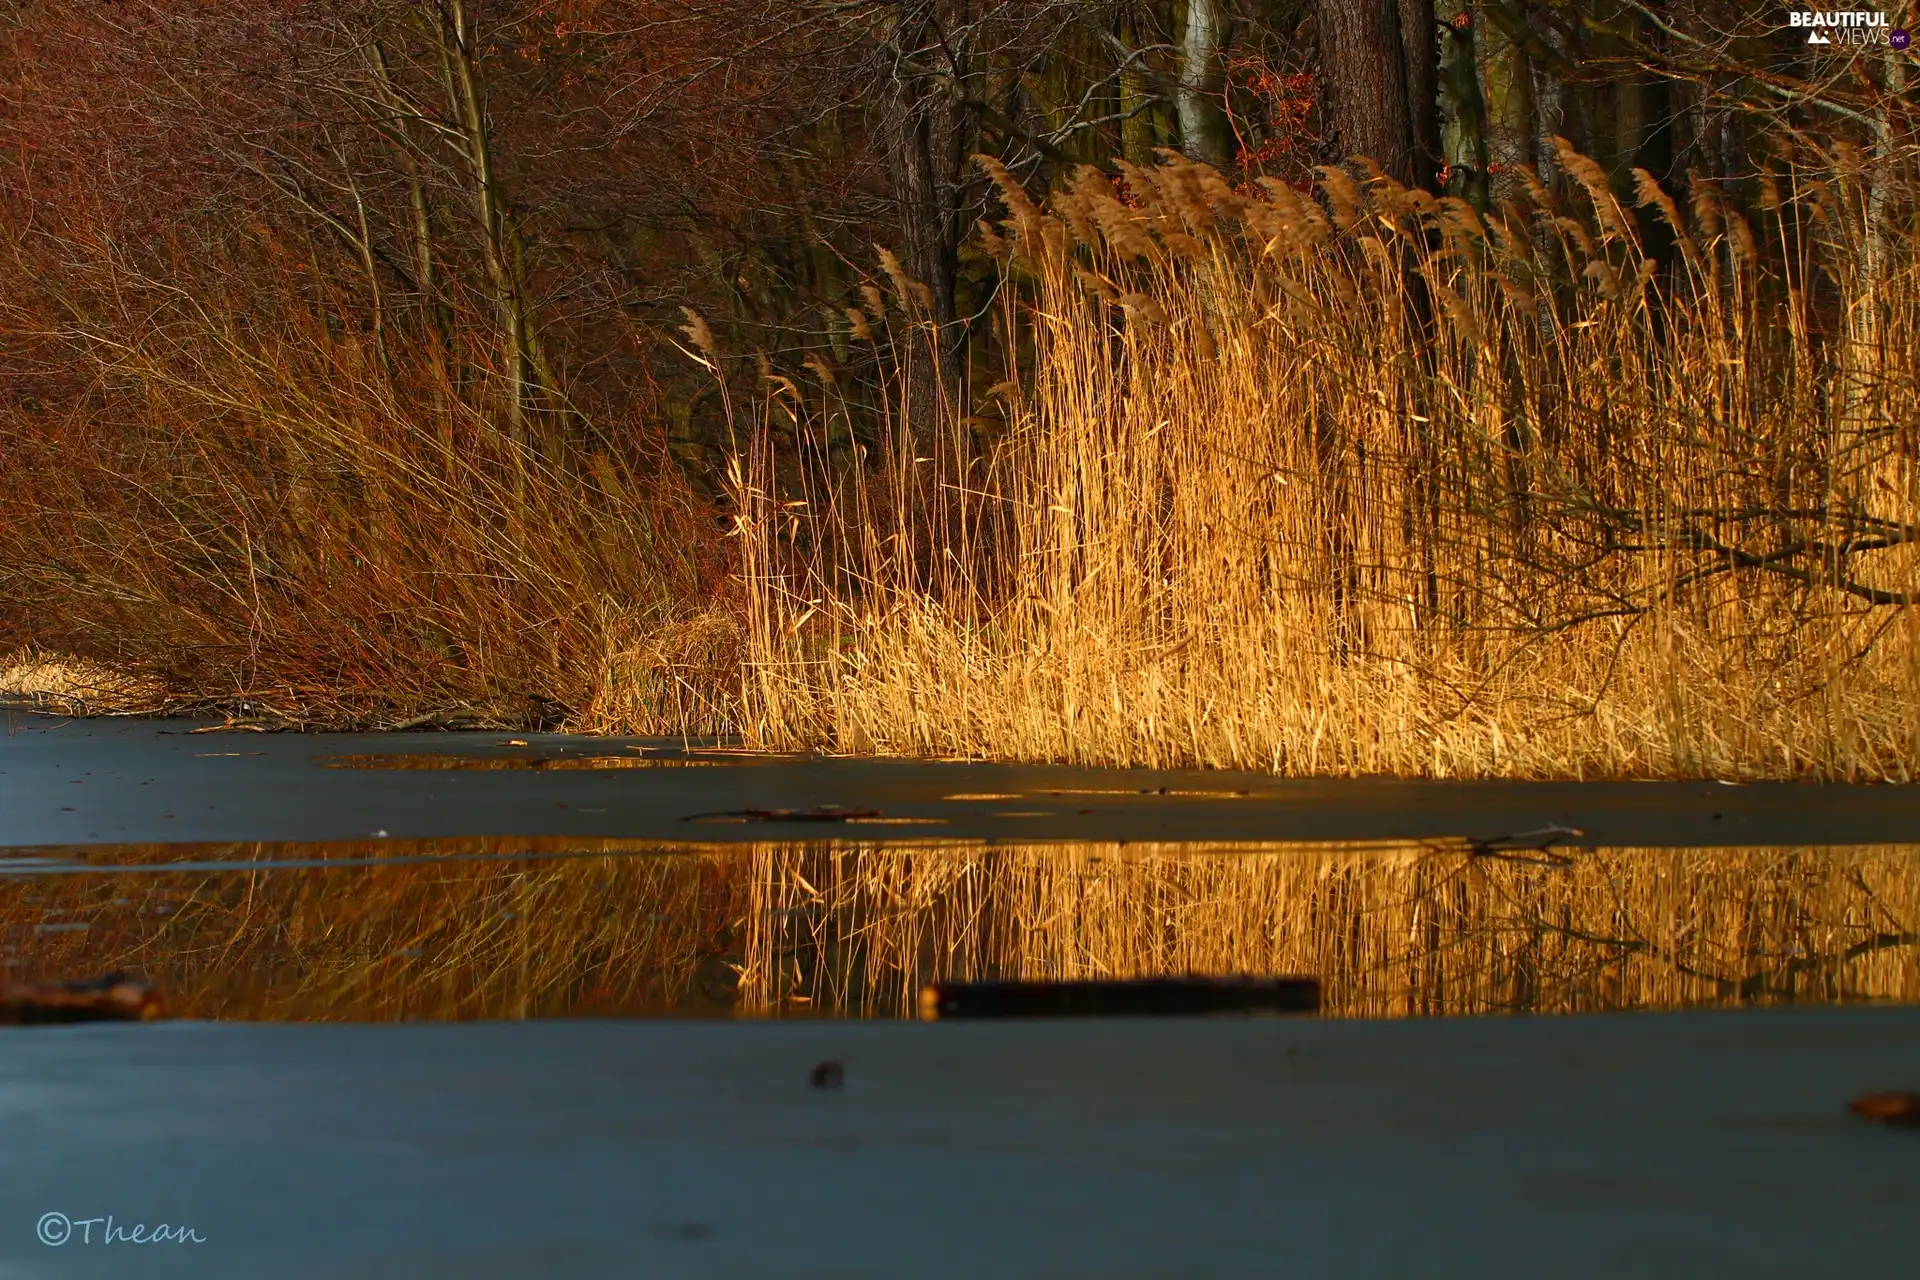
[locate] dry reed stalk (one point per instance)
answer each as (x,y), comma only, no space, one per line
(1405,492)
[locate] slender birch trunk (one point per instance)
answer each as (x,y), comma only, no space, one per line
(1205,133)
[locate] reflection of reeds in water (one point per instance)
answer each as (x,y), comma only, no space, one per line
(474,939)
(601,926)
(430,760)
(1399,932)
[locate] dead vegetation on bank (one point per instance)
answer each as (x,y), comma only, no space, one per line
(1350,481)
(74,686)
(252,510)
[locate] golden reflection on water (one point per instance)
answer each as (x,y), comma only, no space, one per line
(402,760)
(570,927)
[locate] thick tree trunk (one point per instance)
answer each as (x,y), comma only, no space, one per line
(1556,113)
(1205,133)
(1420,68)
(1646,142)
(1378,57)
(1137,136)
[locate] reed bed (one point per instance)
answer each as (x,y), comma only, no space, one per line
(1391,931)
(1347,481)
(1362,481)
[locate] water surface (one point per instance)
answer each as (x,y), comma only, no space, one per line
(464,929)
(470,876)
(69,782)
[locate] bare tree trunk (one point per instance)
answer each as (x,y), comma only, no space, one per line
(927,128)
(401,138)
(1369,64)
(366,260)
(1205,133)
(1506,83)
(1420,68)
(1556,111)
(1652,143)
(1881,231)
(1137,139)
(1463,114)
(505,271)
(437,323)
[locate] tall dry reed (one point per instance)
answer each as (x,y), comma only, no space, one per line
(1362,481)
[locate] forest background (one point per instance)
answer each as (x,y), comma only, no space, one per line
(1021,378)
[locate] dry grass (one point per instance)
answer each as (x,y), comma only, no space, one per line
(217,486)
(75,686)
(1392,932)
(1354,483)
(1370,484)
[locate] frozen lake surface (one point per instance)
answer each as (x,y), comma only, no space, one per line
(139,781)
(252,870)
(1689,1145)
